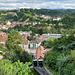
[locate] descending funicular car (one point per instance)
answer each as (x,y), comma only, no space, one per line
(40,62)
(35,62)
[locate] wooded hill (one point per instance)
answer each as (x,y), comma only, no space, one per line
(23,14)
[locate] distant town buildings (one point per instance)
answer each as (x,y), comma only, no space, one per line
(3,37)
(34,43)
(25,33)
(50,17)
(34,46)
(8,24)
(57,18)
(46,16)
(25,43)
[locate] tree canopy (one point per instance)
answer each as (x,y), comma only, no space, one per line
(16,68)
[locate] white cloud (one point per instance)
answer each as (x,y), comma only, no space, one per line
(49,4)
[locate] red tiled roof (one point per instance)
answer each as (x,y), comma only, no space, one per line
(41,37)
(40,52)
(23,31)
(25,40)
(1,26)
(3,38)
(35,41)
(47,50)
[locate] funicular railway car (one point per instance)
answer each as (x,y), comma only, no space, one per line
(34,62)
(40,62)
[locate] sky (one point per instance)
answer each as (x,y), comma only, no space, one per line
(37,4)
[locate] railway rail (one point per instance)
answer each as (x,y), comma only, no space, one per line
(40,68)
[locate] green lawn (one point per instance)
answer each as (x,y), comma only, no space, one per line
(28,14)
(50,39)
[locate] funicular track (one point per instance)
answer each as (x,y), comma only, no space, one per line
(42,71)
(40,68)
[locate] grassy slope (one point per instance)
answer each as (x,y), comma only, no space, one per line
(28,14)
(50,39)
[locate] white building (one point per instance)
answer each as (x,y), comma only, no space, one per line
(34,43)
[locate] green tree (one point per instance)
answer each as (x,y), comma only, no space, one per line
(25,57)
(16,68)
(51,59)
(14,37)
(69,68)
(60,62)
(15,52)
